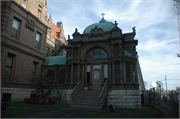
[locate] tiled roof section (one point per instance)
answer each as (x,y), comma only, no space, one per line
(56,33)
(55,30)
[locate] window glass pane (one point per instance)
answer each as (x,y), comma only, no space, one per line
(15,24)
(96,66)
(97,53)
(96,74)
(37,45)
(9,61)
(34,67)
(8,70)
(14,33)
(88,68)
(105,71)
(37,36)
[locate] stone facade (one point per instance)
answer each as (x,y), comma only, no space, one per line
(23,46)
(55,34)
(124,98)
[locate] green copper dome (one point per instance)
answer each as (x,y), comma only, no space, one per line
(103,24)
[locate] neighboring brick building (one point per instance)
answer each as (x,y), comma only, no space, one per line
(55,34)
(27,37)
(23,48)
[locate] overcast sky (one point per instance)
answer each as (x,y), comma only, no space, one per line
(156,30)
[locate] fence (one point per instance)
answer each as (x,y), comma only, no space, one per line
(166,105)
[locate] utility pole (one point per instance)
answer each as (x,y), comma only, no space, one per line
(166,87)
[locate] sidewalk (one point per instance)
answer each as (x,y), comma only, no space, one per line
(66,113)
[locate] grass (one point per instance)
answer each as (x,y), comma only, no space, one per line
(143,112)
(16,109)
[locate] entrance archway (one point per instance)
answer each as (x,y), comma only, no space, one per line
(96,67)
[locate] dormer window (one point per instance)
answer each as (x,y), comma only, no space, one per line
(57,34)
(39,11)
(24,3)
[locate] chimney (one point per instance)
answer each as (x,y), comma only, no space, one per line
(60,25)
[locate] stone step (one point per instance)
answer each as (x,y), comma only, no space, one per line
(85,103)
(86,98)
(84,107)
(86,95)
(88,101)
(95,94)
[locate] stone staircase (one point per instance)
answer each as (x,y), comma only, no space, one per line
(86,99)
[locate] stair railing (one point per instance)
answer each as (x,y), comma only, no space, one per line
(103,92)
(78,87)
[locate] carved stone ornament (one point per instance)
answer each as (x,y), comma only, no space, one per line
(96,31)
(30,24)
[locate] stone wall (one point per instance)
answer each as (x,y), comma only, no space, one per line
(124,98)
(62,95)
(17,94)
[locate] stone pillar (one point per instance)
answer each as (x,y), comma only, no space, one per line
(72,73)
(91,73)
(109,67)
(113,68)
(122,72)
(112,47)
(78,73)
(72,53)
(82,71)
(136,74)
(66,78)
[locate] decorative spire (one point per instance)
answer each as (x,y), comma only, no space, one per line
(102,15)
(102,20)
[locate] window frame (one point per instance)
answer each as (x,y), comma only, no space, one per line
(34,72)
(24,3)
(92,50)
(11,67)
(39,42)
(19,22)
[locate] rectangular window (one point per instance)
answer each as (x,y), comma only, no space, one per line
(24,3)
(52,52)
(128,72)
(47,51)
(15,28)
(39,11)
(34,70)
(9,66)
(38,36)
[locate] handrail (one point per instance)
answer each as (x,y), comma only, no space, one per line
(78,87)
(103,92)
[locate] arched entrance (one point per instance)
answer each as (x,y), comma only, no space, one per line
(50,74)
(96,67)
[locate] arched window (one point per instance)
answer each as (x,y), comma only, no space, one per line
(97,53)
(61,76)
(50,74)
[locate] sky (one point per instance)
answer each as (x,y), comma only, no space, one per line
(156,30)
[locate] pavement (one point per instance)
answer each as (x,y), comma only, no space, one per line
(65,113)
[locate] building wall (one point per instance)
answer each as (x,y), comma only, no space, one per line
(22,48)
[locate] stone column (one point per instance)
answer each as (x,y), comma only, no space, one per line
(72,73)
(91,73)
(113,72)
(78,73)
(112,47)
(82,71)
(66,78)
(122,72)
(136,73)
(109,76)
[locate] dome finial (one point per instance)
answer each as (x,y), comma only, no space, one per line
(102,15)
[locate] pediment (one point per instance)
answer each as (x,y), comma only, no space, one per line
(96,32)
